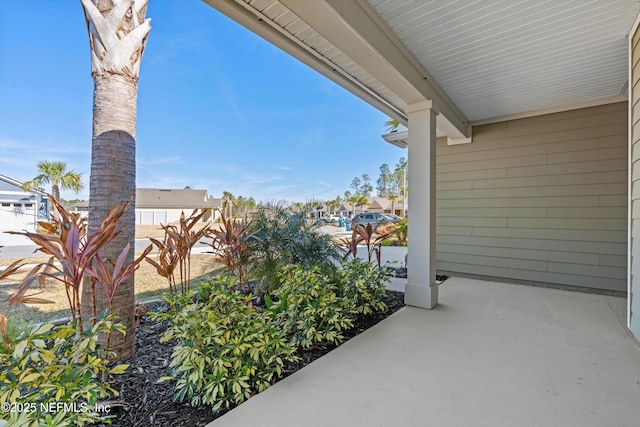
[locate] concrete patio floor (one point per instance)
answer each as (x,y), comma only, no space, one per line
(491,354)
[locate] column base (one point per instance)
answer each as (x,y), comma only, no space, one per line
(421,296)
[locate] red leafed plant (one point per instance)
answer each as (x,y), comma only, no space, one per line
(230,243)
(175,250)
(371,236)
(72,253)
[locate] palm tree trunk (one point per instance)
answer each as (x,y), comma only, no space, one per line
(117,34)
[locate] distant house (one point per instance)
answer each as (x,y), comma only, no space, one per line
(161,206)
(384,205)
(19,209)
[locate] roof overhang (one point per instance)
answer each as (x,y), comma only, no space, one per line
(476,61)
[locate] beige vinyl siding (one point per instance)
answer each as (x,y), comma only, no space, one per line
(634,109)
(539,199)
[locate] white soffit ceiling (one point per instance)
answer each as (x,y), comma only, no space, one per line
(492,58)
(500,57)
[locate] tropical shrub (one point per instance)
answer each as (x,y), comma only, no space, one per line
(72,254)
(314,312)
(46,367)
(363,286)
(371,236)
(280,238)
(400,230)
(229,245)
(175,250)
(226,351)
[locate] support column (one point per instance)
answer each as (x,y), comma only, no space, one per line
(421,289)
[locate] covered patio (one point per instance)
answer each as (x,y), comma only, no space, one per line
(490,354)
(523,136)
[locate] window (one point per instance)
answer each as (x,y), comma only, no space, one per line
(4,204)
(17,205)
(28,205)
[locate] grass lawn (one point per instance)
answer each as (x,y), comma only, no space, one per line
(149,285)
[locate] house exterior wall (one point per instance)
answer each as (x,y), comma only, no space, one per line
(634,232)
(157,216)
(539,199)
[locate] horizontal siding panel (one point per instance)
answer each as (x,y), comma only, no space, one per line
(619,212)
(613,260)
(613,141)
(554,180)
(617,249)
(601,121)
(479,174)
(483,270)
(569,168)
(493,213)
(553,147)
(538,255)
(553,234)
(454,185)
(525,264)
(569,279)
(454,231)
(587,270)
(599,154)
(568,224)
(522,202)
(471,222)
(559,190)
(615,200)
(539,159)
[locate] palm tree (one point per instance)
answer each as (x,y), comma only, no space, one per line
(228,200)
(393,197)
(56,174)
(362,200)
(118,34)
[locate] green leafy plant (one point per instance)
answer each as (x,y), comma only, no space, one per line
(226,351)
(46,365)
(279,238)
(314,313)
(400,230)
(363,285)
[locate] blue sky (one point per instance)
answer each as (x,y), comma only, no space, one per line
(218,107)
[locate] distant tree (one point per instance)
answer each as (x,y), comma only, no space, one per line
(353,200)
(366,188)
(56,174)
(361,201)
(400,176)
(393,197)
(355,184)
(187,187)
(228,201)
(384,180)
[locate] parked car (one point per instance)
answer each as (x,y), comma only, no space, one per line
(332,219)
(375,219)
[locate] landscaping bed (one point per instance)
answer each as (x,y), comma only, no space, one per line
(144,402)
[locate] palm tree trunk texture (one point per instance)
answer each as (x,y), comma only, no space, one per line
(118,33)
(112,183)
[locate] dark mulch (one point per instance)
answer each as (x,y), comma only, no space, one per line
(143,402)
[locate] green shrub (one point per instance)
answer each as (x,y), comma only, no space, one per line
(363,285)
(226,351)
(45,366)
(280,238)
(314,312)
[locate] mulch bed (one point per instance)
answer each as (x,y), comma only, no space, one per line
(143,402)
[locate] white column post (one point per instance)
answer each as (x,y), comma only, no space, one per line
(421,289)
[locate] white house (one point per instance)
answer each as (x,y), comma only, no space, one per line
(19,210)
(161,206)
